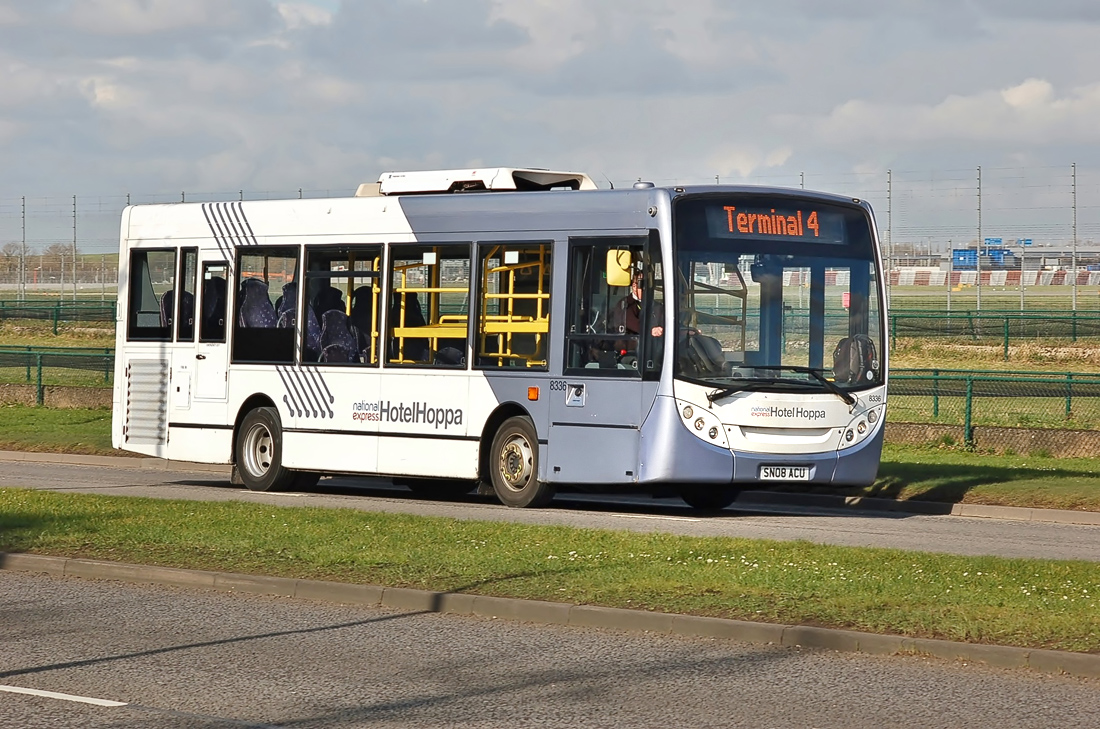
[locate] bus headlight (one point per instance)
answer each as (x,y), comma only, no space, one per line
(703,423)
(860,427)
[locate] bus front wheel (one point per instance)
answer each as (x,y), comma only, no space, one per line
(260,452)
(515,465)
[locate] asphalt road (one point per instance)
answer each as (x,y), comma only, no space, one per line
(181,658)
(948,534)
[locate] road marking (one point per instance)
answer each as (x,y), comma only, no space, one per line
(651,516)
(63,697)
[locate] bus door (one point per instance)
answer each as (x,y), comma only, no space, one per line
(211,354)
(597,407)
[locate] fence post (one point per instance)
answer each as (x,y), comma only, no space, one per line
(1075,325)
(1069,395)
(893,332)
(968,432)
(56,316)
(1006,338)
(936,394)
(106,364)
(29,350)
(39,398)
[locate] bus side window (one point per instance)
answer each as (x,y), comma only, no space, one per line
(185,315)
(343,287)
(429,305)
(261,275)
(152,281)
(605,322)
(212,318)
(514,316)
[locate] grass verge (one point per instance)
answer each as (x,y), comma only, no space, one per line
(951,474)
(48,430)
(1032,603)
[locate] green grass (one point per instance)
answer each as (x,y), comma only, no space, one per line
(39,333)
(1045,604)
(951,474)
(999,298)
(49,430)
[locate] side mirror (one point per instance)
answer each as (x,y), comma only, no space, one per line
(618,267)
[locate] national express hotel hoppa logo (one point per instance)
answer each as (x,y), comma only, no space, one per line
(417,413)
(765,411)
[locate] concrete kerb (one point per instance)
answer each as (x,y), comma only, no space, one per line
(591,616)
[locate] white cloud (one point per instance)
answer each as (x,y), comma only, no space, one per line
(303,14)
(1027,113)
(141,17)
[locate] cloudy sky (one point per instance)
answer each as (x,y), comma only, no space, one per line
(104,97)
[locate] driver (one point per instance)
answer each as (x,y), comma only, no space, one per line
(626,315)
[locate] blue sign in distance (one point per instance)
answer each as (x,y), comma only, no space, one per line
(994,241)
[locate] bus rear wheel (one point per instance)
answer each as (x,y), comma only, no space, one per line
(514,465)
(709,498)
(260,452)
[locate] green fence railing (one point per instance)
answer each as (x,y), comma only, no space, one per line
(57,312)
(36,362)
(1046,400)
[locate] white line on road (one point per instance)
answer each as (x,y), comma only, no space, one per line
(653,516)
(63,697)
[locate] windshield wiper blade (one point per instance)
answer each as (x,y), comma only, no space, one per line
(817,374)
(742,384)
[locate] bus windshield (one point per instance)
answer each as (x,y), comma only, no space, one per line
(776,291)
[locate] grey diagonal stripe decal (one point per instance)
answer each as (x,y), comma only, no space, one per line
(229,226)
(219,237)
(291,398)
(307,394)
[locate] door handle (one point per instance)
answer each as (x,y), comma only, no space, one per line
(200,356)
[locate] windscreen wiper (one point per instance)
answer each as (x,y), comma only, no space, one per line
(817,374)
(742,384)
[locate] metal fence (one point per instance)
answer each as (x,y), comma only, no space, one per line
(57,311)
(74,366)
(1006,399)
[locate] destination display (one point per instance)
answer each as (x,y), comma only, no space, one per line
(802,223)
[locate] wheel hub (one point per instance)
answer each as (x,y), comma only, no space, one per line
(515,462)
(257,450)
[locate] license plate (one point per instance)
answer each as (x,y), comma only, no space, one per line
(784,473)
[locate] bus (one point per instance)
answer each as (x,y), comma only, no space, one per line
(515,330)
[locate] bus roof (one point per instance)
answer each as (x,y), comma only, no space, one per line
(490,179)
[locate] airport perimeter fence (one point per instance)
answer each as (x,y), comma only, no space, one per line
(57,312)
(963,401)
(87,367)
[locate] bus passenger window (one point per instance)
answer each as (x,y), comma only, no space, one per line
(343,286)
(261,276)
(514,315)
(213,302)
(429,305)
(152,283)
(185,316)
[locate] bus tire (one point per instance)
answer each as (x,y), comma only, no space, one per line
(514,465)
(260,452)
(709,498)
